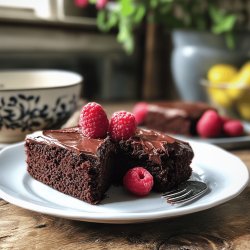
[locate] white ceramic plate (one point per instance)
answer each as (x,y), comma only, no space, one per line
(4,145)
(225,174)
(225,142)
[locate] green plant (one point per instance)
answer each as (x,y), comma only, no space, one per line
(127,15)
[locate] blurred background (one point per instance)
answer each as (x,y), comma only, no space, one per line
(155,49)
(127,50)
(57,34)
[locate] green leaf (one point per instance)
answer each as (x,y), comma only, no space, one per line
(112,19)
(215,14)
(124,32)
(106,20)
(127,7)
(139,14)
(129,45)
(153,3)
(101,21)
(230,40)
(125,35)
(227,24)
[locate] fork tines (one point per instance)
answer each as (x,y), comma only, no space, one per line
(185,192)
(179,195)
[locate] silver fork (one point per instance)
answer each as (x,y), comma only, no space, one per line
(186,192)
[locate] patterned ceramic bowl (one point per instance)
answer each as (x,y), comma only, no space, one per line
(32,100)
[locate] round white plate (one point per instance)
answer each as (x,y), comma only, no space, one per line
(4,145)
(225,174)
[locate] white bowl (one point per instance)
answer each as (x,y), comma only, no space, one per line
(32,100)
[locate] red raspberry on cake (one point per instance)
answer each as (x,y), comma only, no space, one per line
(122,125)
(140,111)
(209,125)
(93,121)
(138,181)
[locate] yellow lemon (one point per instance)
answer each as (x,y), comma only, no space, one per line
(245,74)
(239,82)
(246,66)
(235,88)
(244,110)
(218,75)
(220,97)
(221,73)
(243,106)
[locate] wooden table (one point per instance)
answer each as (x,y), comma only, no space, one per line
(223,227)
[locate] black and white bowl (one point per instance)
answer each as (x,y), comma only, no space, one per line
(32,100)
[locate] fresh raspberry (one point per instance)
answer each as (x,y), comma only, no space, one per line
(94,121)
(81,3)
(100,4)
(122,125)
(225,119)
(138,181)
(209,125)
(233,128)
(140,111)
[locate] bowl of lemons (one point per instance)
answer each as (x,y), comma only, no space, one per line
(228,89)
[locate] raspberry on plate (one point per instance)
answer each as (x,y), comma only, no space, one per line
(225,119)
(209,125)
(138,181)
(233,128)
(93,121)
(140,111)
(122,125)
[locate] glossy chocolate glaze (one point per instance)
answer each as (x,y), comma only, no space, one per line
(155,138)
(151,142)
(71,138)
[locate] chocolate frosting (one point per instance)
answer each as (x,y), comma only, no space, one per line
(151,142)
(155,138)
(72,138)
(68,138)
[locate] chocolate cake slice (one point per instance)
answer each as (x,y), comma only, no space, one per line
(174,117)
(71,163)
(85,168)
(166,158)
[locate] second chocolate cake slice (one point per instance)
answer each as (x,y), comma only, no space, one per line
(174,117)
(166,158)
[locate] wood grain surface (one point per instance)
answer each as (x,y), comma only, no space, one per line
(223,227)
